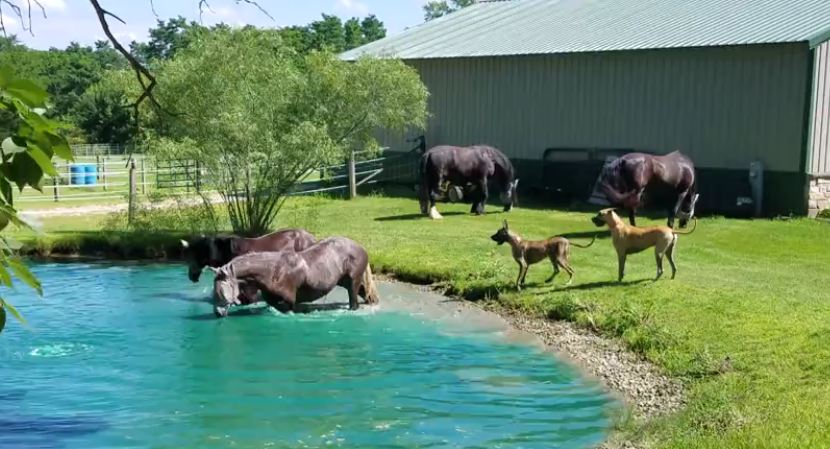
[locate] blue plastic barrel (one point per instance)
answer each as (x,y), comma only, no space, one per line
(91,171)
(76,172)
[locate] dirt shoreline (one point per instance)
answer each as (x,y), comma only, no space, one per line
(640,384)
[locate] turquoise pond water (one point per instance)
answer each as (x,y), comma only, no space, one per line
(131,357)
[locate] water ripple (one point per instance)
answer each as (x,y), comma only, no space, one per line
(114,358)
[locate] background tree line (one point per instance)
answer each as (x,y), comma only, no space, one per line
(88,95)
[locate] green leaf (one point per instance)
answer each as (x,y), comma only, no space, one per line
(13,311)
(2,318)
(6,190)
(28,92)
(21,271)
(60,146)
(23,171)
(12,145)
(5,277)
(42,160)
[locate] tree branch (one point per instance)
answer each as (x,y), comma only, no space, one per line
(145,78)
(254,3)
(25,23)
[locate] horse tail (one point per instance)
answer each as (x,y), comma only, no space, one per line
(370,290)
(586,246)
(689,232)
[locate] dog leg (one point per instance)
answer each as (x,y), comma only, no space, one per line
(524,274)
(568,269)
(670,255)
(555,270)
(621,263)
(522,270)
(658,256)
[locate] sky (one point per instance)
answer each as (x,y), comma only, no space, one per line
(75,20)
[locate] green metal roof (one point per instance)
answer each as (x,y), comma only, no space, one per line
(520,27)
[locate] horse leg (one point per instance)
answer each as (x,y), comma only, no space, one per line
(631,213)
(352,285)
(673,212)
(482,198)
(434,194)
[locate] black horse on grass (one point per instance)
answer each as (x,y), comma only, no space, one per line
(216,251)
(669,180)
(288,278)
(476,165)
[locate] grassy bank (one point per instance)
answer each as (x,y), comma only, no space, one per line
(744,325)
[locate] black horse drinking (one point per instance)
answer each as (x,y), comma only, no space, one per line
(476,165)
(669,180)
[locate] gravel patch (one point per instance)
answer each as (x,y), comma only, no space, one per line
(642,384)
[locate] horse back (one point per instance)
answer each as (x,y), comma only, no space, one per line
(282,240)
(459,162)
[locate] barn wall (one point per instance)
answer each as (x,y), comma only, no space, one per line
(820,129)
(724,107)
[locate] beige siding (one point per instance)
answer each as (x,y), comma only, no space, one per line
(723,106)
(820,123)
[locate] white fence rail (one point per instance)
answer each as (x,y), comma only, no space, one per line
(113,178)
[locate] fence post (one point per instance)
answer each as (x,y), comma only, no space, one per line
(55,187)
(104,173)
(143,177)
(131,204)
(352,176)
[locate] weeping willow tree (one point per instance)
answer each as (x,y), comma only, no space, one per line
(258,117)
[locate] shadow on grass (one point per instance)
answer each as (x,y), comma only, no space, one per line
(606,284)
(406,217)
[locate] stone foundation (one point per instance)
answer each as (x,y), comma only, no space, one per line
(819,195)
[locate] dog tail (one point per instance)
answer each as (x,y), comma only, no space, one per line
(370,290)
(694,219)
(588,245)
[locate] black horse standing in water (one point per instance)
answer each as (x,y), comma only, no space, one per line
(669,179)
(216,251)
(460,166)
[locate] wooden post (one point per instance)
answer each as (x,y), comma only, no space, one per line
(352,177)
(55,182)
(104,173)
(143,177)
(131,204)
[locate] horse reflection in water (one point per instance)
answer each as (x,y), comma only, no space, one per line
(288,278)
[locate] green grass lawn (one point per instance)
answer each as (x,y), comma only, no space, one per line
(757,292)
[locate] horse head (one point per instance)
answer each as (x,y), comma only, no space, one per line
(204,252)
(687,209)
(510,195)
(225,290)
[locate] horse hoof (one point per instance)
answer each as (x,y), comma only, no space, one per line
(433,214)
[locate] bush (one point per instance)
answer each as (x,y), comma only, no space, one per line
(824,214)
(160,214)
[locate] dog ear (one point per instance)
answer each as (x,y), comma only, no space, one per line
(504,224)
